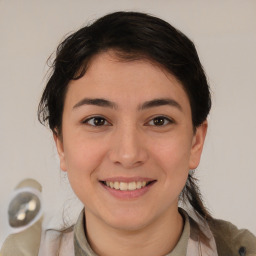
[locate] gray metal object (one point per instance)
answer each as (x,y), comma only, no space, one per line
(23,208)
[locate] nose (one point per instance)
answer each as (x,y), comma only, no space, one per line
(128,148)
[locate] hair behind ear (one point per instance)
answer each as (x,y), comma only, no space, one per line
(191,196)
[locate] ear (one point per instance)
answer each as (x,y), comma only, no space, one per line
(197,145)
(60,149)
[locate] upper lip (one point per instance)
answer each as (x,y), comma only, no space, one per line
(127,179)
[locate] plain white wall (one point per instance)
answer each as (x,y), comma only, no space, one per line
(225,35)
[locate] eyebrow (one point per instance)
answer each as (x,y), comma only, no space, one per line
(95,102)
(109,104)
(160,102)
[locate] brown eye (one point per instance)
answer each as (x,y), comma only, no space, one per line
(160,121)
(96,121)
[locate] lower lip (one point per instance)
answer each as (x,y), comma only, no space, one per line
(128,194)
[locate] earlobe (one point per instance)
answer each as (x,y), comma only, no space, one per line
(197,145)
(60,150)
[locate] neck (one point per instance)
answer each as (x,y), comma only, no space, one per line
(157,238)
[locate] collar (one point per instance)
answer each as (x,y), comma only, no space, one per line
(185,246)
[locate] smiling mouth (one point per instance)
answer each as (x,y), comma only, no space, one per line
(127,186)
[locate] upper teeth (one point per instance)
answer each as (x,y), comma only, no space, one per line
(126,186)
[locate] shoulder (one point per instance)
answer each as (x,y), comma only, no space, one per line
(232,241)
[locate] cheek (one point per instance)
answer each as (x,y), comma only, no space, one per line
(172,152)
(172,156)
(82,159)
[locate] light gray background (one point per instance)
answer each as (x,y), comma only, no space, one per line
(225,35)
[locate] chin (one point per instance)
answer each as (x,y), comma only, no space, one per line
(129,225)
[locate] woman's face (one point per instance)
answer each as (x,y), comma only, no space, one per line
(127,141)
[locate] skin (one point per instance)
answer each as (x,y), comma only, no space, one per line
(129,145)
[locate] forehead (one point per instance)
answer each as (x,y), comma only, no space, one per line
(125,81)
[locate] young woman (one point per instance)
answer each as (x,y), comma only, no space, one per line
(127,103)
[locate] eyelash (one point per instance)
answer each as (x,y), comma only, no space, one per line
(166,120)
(94,118)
